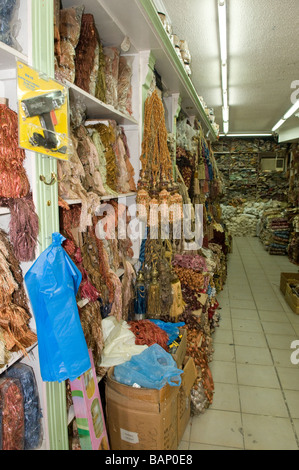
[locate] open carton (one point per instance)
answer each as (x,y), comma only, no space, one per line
(184,398)
(141,418)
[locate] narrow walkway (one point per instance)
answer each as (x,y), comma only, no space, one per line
(256,401)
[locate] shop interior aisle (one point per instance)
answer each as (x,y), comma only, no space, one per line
(256,400)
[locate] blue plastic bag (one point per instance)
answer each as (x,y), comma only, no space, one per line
(52,283)
(172,329)
(153,368)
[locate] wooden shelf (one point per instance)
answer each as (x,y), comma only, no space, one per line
(8,57)
(70,202)
(15,357)
(139,20)
(4,211)
(96,109)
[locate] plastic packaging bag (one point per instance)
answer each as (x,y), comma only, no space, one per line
(52,283)
(119,343)
(9,25)
(153,368)
(32,411)
(11,415)
(172,329)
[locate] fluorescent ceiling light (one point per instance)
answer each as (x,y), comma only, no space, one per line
(222,30)
(261,134)
(278,125)
(225,114)
(225,99)
(225,127)
(224,77)
(291,111)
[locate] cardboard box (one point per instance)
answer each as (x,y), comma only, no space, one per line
(141,418)
(180,353)
(284,277)
(292,299)
(88,411)
(184,398)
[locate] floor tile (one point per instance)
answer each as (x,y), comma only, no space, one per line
(257,375)
(198,446)
(280,341)
(224,372)
(244,304)
(283,358)
(223,336)
(288,377)
(224,352)
(246,325)
(220,428)
(292,399)
(226,397)
(249,338)
(253,355)
(278,328)
(271,316)
(262,401)
(268,433)
(244,313)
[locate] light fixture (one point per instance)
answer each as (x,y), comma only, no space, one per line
(278,125)
(287,115)
(222,30)
(292,110)
(258,134)
(225,127)
(222,20)
(225,114)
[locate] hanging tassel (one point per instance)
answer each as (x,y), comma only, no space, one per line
(23,227)
(178,303)
(153,301)
(140,298)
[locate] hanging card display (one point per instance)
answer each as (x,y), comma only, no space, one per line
(89,411)
(43,110)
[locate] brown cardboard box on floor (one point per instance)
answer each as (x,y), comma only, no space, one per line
(184,397)
(284,278)
(141,418)
(292,299)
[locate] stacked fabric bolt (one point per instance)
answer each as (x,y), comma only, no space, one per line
(280,236)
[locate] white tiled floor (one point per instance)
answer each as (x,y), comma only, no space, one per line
(256,400)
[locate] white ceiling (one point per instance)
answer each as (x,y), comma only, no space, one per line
(263,54)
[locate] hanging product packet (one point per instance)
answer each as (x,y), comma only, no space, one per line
(52,284)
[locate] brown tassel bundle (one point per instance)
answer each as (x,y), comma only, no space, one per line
(14,319)
(23,227)
(87,55)
(13,178)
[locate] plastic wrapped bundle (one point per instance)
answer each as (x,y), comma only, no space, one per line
(9,25)
(124,85)
(69,33)
(32,412)
(111,72)
(87,55)
(11,415)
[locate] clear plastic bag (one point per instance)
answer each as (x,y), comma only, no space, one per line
(153,368)
(111,74)
(32,411)
(9,24)
(124,85)
(11,415)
